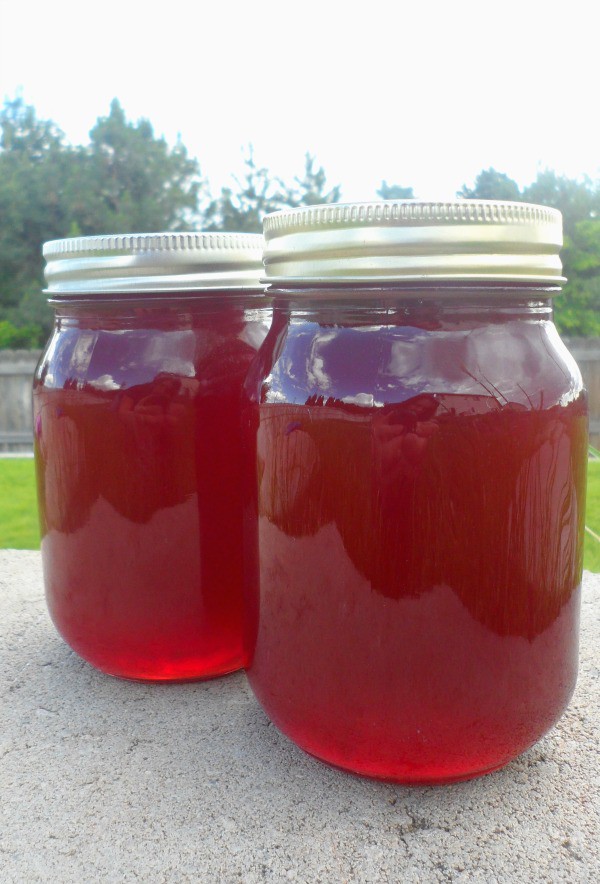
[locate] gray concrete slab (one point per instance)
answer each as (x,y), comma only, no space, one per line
(106,780)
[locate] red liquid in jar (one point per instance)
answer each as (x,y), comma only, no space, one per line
(138,454)
(420,510)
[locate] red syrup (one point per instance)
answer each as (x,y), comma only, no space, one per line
(138,453)
(413,612)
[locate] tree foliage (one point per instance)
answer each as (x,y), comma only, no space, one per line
(258,193)
(492,185)
(310,189)
(135,182)
(577,309)
(32,167)
(578,200)
(395,192)
(126,179)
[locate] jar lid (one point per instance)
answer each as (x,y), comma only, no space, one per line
(395,241)
(153,262)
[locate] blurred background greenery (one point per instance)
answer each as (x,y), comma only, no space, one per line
(127,180)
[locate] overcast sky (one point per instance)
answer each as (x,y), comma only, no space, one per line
(418,93)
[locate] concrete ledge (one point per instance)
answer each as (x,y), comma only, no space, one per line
(105,780)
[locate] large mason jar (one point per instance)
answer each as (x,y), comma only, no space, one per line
(420,437)
(138,449)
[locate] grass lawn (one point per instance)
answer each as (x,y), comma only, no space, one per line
(18,505)
(591,559)
(19,525)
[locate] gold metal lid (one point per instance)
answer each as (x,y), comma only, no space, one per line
(395,241)
(153,262)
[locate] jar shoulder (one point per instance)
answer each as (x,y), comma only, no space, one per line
(109,356)
(520,362)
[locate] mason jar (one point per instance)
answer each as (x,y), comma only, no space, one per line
(138,451)
(420,445)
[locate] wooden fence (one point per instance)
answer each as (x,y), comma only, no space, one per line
(16,372)
(587,353)
(17,368)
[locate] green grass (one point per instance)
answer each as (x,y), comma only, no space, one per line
(591,558)
(19,525)
(18,506)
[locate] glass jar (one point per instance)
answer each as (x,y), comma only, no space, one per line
(420,435)
(137,447)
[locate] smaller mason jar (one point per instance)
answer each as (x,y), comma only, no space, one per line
(137,447)
(420,446)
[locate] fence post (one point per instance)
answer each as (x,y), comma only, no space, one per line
(16,375)
(586,352)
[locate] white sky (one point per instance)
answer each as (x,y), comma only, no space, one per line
(419,93)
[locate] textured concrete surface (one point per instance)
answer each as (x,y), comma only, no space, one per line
(105,780)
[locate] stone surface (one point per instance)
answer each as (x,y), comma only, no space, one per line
(107,780)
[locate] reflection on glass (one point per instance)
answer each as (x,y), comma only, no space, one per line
(138,455)
(420,504)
